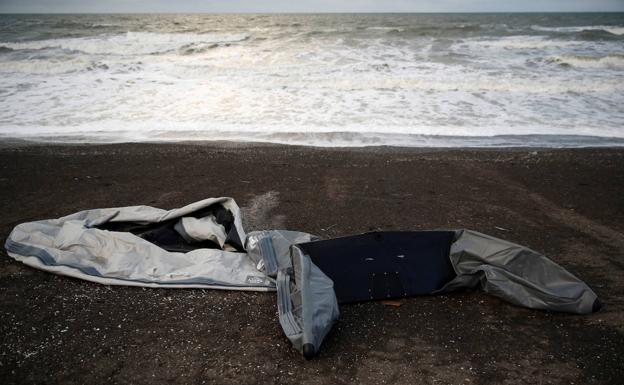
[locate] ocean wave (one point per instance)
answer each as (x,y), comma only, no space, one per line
(403,30)
(615,30)
(472,84)
(330,138)
(51,66)
(103,25)
(285,25)
(194,48)
(130,43)
(597,35)
(459,30)
(326,31)
(378,28)
(365,80)
(613,61)
(520,42)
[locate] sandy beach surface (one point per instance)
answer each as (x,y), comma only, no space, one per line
(567,204)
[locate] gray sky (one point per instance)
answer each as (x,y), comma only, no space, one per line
(147,6)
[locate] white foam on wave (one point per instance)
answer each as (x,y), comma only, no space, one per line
(320,91)
(48,66)
(616,30)
(130,43)
(614,61)
(522,42)
(378,28)
(467,83)
(436,136)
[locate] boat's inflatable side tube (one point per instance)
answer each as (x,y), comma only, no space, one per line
(307,303)
(517,274)
(91,245)
(270,249)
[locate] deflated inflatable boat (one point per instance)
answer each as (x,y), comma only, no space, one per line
(203,245)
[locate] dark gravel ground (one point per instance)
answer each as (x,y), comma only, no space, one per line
(567,204)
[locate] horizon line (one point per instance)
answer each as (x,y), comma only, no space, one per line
(298,13)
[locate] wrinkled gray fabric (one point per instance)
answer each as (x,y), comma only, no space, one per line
(72,246)
(517,274)
(201,229)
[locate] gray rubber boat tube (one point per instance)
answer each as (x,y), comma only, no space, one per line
(307,303)
(517,274)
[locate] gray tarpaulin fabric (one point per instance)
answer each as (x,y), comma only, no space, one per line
(203,245)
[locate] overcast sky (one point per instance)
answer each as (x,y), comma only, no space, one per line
(183,6)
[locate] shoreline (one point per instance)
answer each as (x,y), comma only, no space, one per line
(565,203)
(374,140)
(14,142)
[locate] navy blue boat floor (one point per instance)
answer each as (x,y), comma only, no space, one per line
(384,265)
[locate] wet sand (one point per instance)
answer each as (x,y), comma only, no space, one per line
(567,204)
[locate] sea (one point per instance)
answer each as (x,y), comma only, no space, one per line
(442,80)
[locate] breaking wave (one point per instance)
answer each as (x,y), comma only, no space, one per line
(598,35)
(328,80)
(613,61)
(195,48)
(324,138)
(614,30)
(521,42)
(130,43)
(61,65)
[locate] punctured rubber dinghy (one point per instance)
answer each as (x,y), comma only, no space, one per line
(203,245)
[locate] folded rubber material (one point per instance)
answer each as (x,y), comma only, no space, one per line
(139,246)
(218,225)
(147,246)
(517,274)
(205,228)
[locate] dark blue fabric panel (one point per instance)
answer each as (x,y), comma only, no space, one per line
(383,265)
